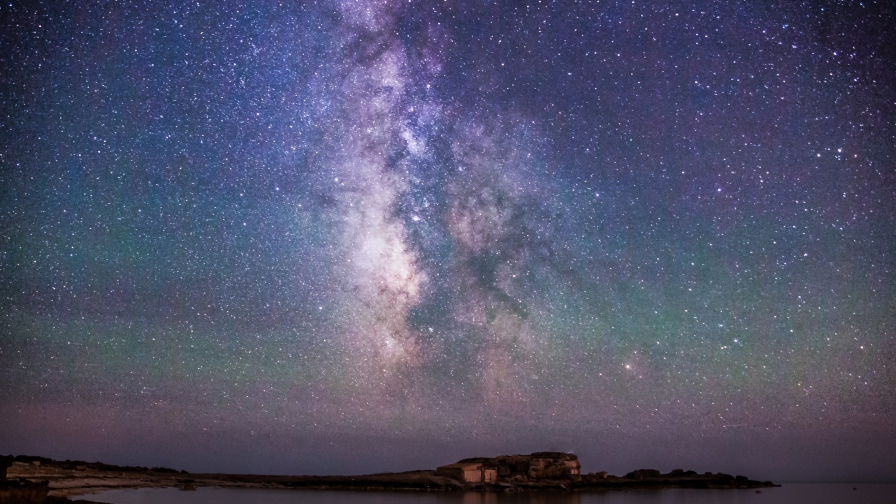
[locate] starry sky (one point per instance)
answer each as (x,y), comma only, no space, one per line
(357,236)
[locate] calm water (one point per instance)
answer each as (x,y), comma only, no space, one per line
(817,493)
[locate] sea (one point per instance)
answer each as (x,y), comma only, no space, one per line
(790,493)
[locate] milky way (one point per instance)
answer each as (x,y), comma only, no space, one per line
(360,236)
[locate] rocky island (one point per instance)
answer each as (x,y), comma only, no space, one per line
(37,479)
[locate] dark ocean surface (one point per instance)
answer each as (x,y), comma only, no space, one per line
(817,493)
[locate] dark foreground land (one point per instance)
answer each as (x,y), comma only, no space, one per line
(37,479)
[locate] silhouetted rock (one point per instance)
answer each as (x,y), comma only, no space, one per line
(680,473)
(163,470)
(643,474)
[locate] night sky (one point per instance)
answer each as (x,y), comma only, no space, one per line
(348,237)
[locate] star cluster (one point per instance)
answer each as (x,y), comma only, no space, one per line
(369,235)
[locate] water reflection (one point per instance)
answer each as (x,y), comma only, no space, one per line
(817,493)
(518,498)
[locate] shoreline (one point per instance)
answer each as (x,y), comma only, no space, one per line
(76,478)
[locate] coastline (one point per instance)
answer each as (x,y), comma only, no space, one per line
(77,478)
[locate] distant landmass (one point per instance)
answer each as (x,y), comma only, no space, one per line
(28,479)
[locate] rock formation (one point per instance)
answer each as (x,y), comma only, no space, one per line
(539,466)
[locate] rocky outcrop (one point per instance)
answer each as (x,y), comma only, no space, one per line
(678,478)
(680,473)
(539,466)
(553,465)
(641,474)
